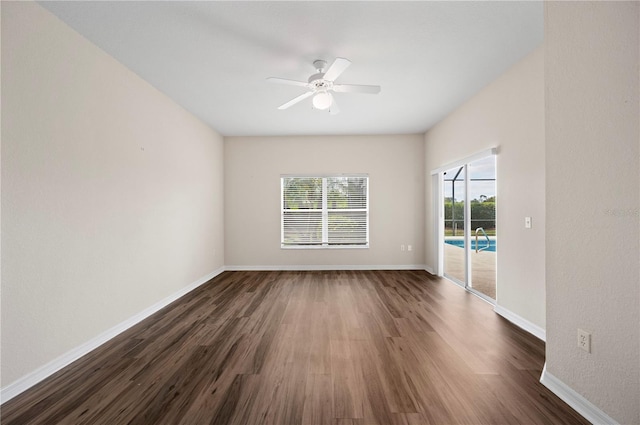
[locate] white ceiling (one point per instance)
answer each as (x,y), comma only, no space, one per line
(213,57)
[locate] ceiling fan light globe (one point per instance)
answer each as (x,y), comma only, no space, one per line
(322,101)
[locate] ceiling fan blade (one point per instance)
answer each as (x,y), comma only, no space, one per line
(333,109)
(296,100)
(356,88)
(285,81)
(337,67)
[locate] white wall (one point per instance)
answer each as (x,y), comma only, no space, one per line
(507,114)
(593,197)
(253,166)
(111,193)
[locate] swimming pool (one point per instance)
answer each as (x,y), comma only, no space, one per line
(481,243)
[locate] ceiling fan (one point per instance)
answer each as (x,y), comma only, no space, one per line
(321,84)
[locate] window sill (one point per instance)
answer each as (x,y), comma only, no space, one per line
(324,247)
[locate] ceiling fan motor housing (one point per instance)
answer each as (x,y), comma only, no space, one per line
(317,82)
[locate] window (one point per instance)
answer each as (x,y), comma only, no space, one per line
(325,211)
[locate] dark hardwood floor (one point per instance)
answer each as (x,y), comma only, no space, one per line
(284,348)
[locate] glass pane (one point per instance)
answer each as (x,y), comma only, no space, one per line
(302,227)
(454,211)
(346,192)
(348,228)
(302,193)
(482,195)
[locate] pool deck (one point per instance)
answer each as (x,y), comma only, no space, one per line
(483,267)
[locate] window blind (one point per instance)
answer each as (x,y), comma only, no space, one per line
(331,211)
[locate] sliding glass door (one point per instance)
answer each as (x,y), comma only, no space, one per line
(469,248)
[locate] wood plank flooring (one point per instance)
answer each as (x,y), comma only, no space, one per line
(285,348)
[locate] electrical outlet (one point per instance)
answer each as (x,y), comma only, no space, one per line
(584,340)
(408,247)
(527,222)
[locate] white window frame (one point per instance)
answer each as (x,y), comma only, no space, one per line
(325,213)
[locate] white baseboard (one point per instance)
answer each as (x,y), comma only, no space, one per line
(303,267)
(580,404)
(429,269)
(29,380)
(521,322)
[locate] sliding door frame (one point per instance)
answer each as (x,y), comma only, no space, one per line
(437,178)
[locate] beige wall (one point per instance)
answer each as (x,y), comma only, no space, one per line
(253,166)
(593,189)
(507,114)
(111,193)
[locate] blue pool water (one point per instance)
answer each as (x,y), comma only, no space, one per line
(482,243)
